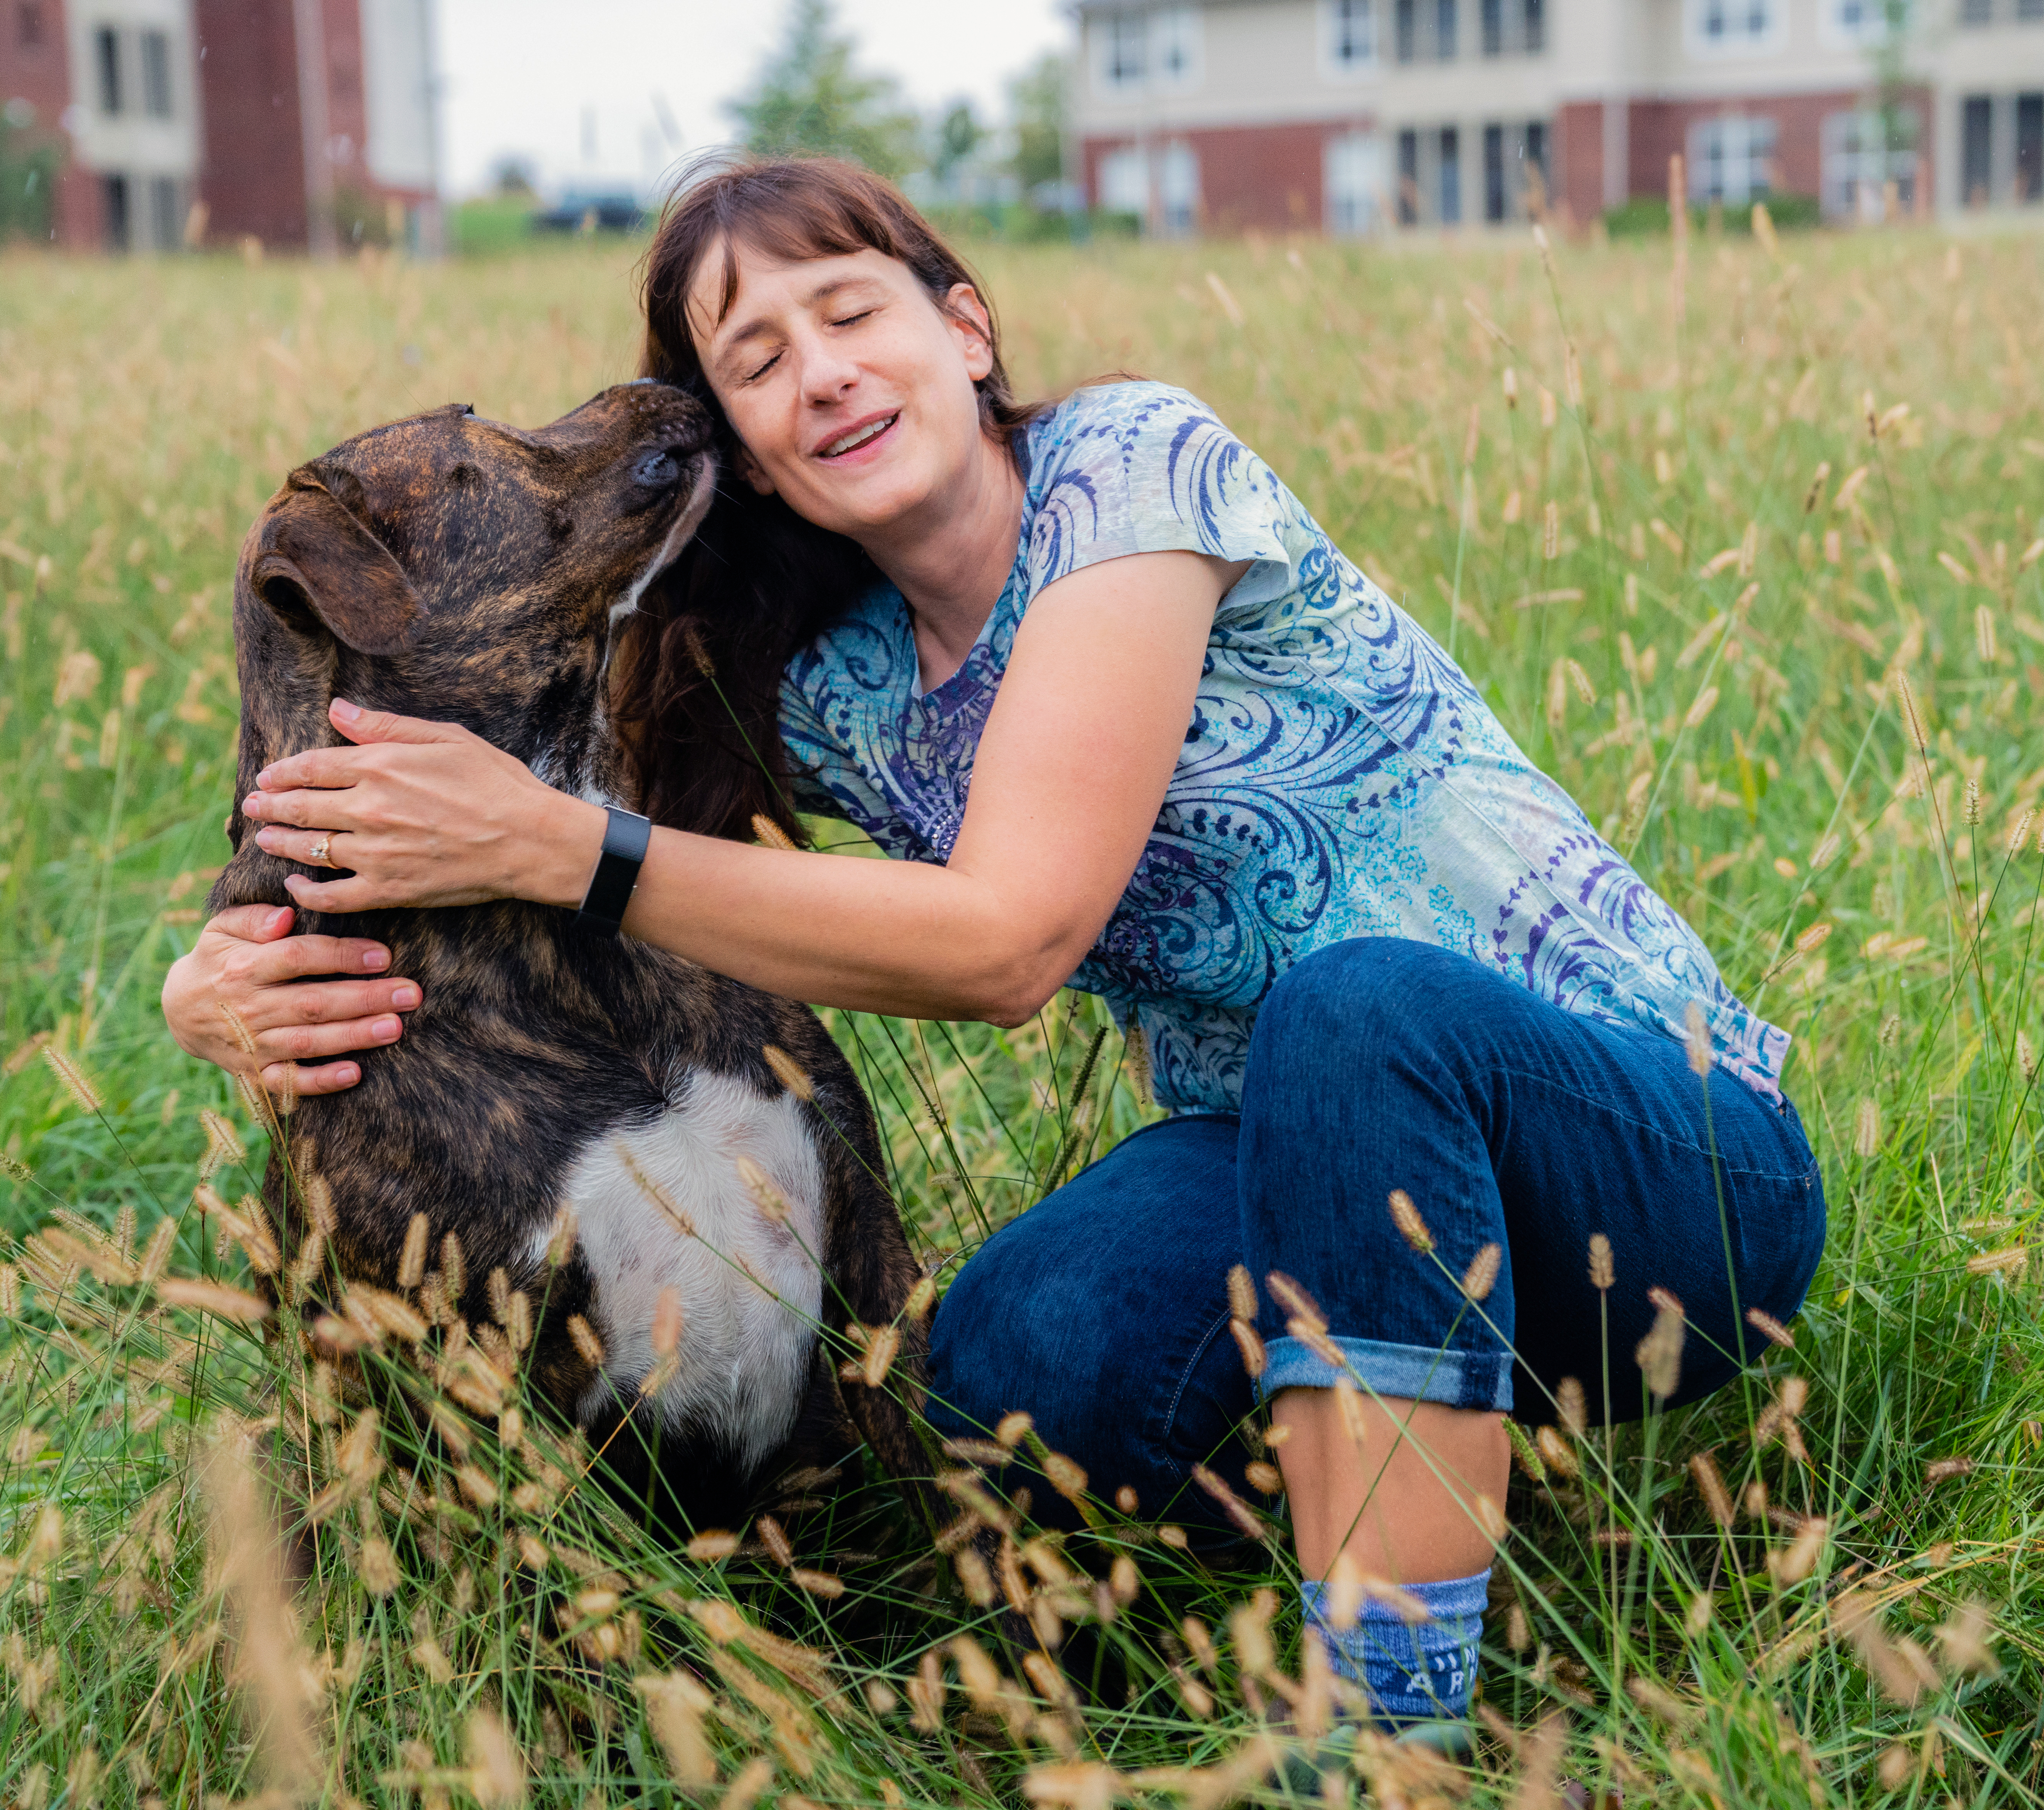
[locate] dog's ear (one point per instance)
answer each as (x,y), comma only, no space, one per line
(315,555)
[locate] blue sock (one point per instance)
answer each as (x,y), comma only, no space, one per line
(1411,1675)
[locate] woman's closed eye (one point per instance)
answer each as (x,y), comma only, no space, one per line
(853,320)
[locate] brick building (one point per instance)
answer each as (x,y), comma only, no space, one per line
(306,123)
(1354,116)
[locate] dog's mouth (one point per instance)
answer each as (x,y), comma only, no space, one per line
(694,504)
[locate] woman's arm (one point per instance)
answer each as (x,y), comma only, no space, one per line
(1070,773)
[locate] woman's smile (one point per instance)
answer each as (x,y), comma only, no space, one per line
(861,442)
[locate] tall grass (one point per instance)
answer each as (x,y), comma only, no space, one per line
(1756,576)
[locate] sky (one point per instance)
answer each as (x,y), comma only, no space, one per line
(532,76)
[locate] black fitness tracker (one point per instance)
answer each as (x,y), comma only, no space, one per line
(610,887)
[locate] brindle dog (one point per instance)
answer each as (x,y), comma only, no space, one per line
(452,568)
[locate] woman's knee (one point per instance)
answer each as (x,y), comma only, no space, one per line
(1348,1008)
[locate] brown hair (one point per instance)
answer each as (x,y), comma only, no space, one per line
(699,666)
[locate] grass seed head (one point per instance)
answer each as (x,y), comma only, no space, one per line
(1602,1275)
(1481,1276)
(1570,1406)
(1241,1293)
(789,1072)
(76,1082)
(1411,1227)
(1659,1354)
(1710,1485)
(411,1260)
(1770,1329)
(1012,1429)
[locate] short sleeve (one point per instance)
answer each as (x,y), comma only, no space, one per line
(1125,468)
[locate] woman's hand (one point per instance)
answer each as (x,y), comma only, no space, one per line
(247,959)
(422,814)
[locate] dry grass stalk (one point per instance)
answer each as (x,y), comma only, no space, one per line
(675,1707)
(270,1664)
(1411,1228)
(1710,1485)
(789,1072)
(1602,1277)
(1659,1354)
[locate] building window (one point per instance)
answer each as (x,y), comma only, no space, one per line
(1733,28)
(1155,49)
(1509,28)
(1349,31)
(1425,31)
(1977,149)
(166,216)
(1124,183)
(1408,178)
(113,195)
(1124,39)
(156,74)
(1731,158)
(1174,46)
(1355,183)
(1863,152)
(1494,173)
(1849,23)
(106,57)
(1178,190)
(28,24)
(2030,148)
(1451,176)
(2029,9)
(1536,159)
(1976,12)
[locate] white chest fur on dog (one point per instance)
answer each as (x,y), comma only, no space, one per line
(745,1351)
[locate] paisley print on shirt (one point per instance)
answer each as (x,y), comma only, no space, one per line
(1340,776)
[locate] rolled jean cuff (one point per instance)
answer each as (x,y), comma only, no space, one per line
(1406,1372)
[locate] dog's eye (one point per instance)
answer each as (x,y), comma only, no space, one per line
(656,469)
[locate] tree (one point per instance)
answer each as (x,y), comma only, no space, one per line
(1036,99)
(958,134)
(809,100)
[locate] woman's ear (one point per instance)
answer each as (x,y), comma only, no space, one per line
(969,321)
(748,469)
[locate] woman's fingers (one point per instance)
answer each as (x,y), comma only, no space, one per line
(251,924)
(296,1078)
(303,1042)
(277,1008)
(361,725)
(297,958)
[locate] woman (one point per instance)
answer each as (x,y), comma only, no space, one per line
(1135,725)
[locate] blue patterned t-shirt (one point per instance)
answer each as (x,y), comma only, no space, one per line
(1341,777)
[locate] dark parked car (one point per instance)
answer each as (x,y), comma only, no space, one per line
(580,212)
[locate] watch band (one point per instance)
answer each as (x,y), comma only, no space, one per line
(610,887)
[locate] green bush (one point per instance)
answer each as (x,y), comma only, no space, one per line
(27,182)
(1646,215)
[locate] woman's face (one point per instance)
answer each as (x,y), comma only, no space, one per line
(850,390)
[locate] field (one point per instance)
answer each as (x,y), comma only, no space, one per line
(1743,541)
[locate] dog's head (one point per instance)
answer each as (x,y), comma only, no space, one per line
(454,568)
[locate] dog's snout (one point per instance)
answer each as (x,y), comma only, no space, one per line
(657,470)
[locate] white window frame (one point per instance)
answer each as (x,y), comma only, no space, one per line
(1124,183)
(1121,65)
(1176,176)
(1857,166)
(1177,49)
(1353,183)
(1355,27)
(1161,50)
(1746,144)
(1740,39)
(1857,24)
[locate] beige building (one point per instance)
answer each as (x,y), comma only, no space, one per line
(1352,116)
(293,121)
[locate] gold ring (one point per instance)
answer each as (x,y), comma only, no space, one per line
(318,854)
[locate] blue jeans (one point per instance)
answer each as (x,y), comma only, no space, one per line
(1380,1064)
